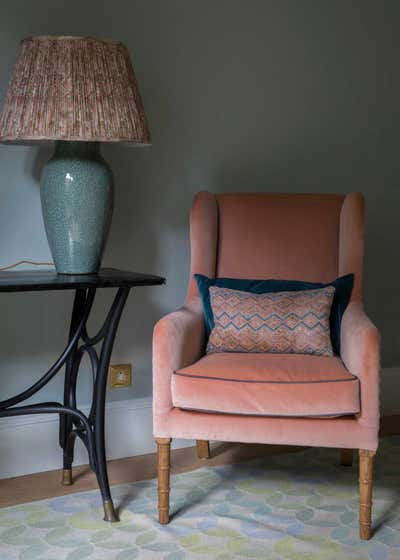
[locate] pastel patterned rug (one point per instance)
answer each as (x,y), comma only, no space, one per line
(296,506)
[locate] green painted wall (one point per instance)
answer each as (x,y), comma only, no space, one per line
(246,95)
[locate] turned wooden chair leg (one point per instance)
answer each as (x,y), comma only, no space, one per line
(163,468)
(203,449)
(365,481)
(346,457)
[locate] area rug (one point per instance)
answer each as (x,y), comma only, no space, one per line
(296,506)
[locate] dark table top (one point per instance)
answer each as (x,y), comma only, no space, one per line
(40,280)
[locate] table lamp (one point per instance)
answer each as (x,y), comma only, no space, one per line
(76,92)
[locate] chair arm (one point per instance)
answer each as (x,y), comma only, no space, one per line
(360,352)
(178,341)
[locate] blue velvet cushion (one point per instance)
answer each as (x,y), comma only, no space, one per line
(343,288)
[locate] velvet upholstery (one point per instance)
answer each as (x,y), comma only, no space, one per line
(292,236)
(267,385)
(306,237)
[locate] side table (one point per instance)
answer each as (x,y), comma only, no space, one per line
(73,423)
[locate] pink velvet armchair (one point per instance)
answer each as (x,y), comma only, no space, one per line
(269,398)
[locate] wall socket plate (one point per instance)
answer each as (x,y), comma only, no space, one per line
(120,375)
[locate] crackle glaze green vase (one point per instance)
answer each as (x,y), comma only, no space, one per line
(77,195)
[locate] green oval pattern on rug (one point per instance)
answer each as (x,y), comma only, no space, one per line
(294,506)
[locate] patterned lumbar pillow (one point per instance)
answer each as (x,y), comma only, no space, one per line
(343,289)
(280,322)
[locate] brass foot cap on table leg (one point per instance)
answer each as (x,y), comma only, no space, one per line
(109,512)
(66,477)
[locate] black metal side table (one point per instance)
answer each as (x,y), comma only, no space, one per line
(73,423)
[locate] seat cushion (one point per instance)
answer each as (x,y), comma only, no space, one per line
(267,385)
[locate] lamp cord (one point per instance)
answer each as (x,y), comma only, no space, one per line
(35,263)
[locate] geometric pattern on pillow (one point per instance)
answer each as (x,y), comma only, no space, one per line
(280,322)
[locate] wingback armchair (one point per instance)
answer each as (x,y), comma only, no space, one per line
(270,398)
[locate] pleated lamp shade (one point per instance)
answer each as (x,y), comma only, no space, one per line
(73,88)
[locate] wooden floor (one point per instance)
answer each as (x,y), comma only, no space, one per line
(47,484)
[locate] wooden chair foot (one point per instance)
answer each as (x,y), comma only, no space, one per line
(346,457)
(365,481)
(163,468)
(203,449)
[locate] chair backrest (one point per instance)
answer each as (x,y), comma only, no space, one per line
(312,237)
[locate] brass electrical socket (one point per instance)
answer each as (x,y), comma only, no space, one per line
(120,375)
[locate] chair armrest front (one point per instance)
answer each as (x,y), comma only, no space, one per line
(178,341)
(360,352)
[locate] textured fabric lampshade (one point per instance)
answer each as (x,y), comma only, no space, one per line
(73,88)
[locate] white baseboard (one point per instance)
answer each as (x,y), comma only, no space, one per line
(29,444)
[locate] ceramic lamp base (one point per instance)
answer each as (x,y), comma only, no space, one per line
(77,196)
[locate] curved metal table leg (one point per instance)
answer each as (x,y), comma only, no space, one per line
(73,423)
(69,429)
(99,395)
(67,439)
